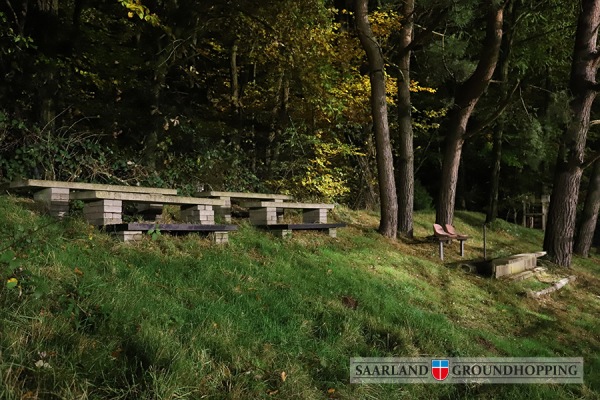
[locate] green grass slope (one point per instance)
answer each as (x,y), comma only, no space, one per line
(83,316)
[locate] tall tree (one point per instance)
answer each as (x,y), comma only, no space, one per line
(560,230)
(502,73)
(467,96)
(589,216)
(385,163)
(405,178)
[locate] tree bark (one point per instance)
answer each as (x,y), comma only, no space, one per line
(385,163)
(153,136)
(505,51)
(235,86)
(235,96)
(405,178)
(558,240)
(468,93)
(590,214)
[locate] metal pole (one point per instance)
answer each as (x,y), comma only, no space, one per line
(484,244)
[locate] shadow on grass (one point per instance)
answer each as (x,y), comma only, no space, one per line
(470,218)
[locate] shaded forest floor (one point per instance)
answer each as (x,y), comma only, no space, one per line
(261,317)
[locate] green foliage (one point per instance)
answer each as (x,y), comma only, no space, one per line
(312,171)
(422,198)
(9,264)
(154,232)
(12,42)
(85,104)
(137,8)
(59,155)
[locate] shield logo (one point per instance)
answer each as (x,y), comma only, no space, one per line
(440,369)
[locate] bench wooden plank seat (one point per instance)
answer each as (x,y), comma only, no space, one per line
(103,207)
(242,195)
(33,184)
(143,198)
(228,197)
(305,206)
(285,230)
(134,231)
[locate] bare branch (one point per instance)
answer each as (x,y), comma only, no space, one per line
(499,110)
(15,17)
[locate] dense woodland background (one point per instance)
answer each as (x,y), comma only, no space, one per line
(275,96)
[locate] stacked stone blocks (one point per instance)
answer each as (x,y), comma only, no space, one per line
(219,237)
(263,216)
(224,211)
(513,264)
(318,216)
(198,214)
(282,233)
(127,236)
(55,200)
(103,212)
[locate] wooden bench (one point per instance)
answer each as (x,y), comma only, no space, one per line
(103,207)
(55,195)
(446,236)
(285,230)
(225,211)
(135,231)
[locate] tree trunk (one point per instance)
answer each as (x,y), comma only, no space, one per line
(153,136)
(492,208)
(590,214)
(465,100)
(385,163)
(504,63)
(405,178)
(235,96)
(558,240)
(44,24)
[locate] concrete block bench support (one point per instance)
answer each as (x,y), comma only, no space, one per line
(194,210)
(318,216)
(55,200)
(218,234)
(198,214)
(103,212)
(224,211)
(265,212)
(263,216)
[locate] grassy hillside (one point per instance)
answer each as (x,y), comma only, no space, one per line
(179,318)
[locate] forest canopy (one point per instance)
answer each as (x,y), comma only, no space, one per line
(275,96)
